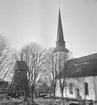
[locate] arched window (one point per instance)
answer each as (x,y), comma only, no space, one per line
(86,88)
(78,92)
(71,88)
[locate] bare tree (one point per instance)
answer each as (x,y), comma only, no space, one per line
(56,62)
(33,54)
(13,57)
(62,64)
(51,69)
(6,58)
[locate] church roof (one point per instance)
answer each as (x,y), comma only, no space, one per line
(80,67)
(83,59)
(83,70)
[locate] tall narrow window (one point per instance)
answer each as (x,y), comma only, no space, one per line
(71,88)
(78,93)
(86,88)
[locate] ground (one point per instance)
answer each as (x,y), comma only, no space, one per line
(41,101)
(37,101)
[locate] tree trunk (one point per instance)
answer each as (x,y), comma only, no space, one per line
(50,94)
(62,98)
(65,93)
(32,94)
(32,97)
(54,93)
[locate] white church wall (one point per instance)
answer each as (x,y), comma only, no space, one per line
(66,92)
(95,86)
(79,83)
(91,88)
(58,93)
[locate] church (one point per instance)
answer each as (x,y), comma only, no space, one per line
(83,82)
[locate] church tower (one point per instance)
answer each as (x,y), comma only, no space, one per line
(60,43)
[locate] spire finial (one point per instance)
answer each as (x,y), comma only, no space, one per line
(22,54)
(59,3)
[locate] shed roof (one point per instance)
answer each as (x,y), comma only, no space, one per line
(21,65)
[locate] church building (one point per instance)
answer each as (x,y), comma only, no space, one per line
(83,82)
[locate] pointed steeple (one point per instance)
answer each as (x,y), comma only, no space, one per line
(60,30)
(60,43)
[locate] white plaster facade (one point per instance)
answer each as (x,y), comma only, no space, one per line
(78,83)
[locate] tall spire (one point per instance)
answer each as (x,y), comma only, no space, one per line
(60,30)
(60,43)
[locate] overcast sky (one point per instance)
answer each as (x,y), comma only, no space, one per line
(25,21)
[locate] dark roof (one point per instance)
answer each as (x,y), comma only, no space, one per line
(3,82)
(80,68)
(82,59)
(89,69)
(21,65)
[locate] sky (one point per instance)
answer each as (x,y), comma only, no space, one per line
(26,21)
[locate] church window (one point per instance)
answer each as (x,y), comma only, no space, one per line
(71,88)
(86,88)
(78,92)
